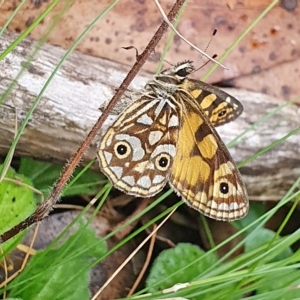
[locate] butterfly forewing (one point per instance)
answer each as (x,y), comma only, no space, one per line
(137,152)
(220,107)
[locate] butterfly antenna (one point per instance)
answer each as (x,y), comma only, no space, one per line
(208,61)
(206,48)
(211,38)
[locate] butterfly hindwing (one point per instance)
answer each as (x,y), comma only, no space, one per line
(137,152)
(203,171)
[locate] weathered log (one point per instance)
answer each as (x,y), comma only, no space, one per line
(70,106)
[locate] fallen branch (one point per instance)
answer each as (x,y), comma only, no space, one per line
(69,108)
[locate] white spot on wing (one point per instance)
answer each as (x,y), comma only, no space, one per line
(233,206)
(154,137)
(159,107)
(118,171)
(145,119)
(166,148)
(108,156)
(138,154)
(144,182)
(173,122)
(223,206)
(158,179)
(129,180)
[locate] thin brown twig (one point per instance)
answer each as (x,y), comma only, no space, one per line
(13,276)
(5,272)
(146,264)
(35,232)
(43,209)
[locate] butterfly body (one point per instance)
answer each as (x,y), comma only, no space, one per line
(168,135)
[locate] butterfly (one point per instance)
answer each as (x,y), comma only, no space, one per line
(167,135)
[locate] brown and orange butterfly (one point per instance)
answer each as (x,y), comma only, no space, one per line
(168,135)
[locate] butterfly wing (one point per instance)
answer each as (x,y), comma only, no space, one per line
(219,106)
(203,171)
(137,152)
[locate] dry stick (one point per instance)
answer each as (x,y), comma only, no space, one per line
(36,230)
(5,272)
(43,210)
(146,264)
(29,249)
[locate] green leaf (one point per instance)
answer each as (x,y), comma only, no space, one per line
(176,266)
(44,175)
(17,200)
(262,236)
(61,273)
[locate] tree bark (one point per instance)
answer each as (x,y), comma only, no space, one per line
(70,105)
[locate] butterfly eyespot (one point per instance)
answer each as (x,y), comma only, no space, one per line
(222,113)
(224,188)
(162,162)
(122,149)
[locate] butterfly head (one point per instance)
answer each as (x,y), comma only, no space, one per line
(178,72)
